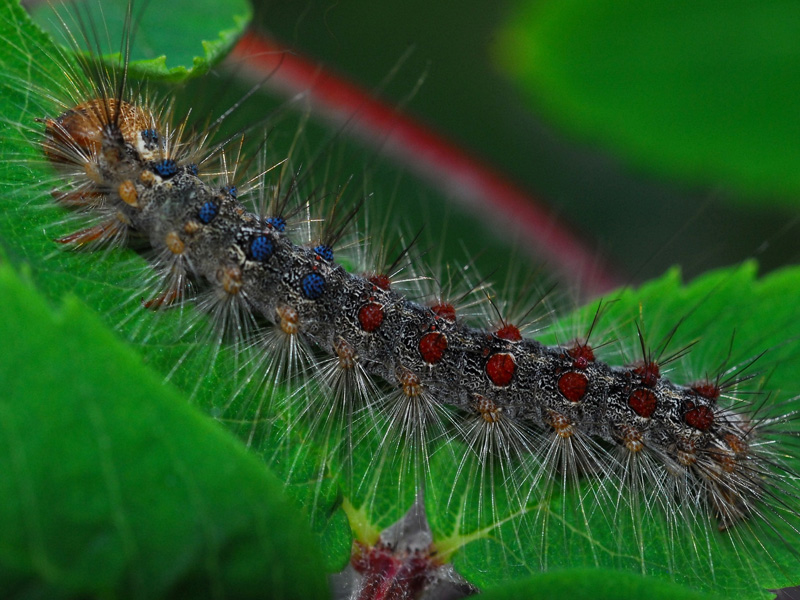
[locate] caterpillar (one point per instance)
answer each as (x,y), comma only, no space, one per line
(532,455)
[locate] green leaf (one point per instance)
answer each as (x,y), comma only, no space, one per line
(701,90)
(113,485)
(172,41)
(589,584)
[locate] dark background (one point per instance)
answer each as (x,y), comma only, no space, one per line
(641,223)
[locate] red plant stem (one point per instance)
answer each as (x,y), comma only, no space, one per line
(432,158)
(388,574)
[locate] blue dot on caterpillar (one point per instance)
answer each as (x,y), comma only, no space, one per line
(313,286)
(166,168)
(207,212)
(261,248)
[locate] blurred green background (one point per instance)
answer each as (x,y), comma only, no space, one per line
(643,217)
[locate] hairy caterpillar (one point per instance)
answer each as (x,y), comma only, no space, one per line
(518,462)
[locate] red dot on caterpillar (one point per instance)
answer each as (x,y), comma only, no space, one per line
(648,371)
(370,316)
(573,385)
(643,402)
(432,346)
(708,390)
(581,353)
(445,311)
(500,368)
(380,281)
(699,417)
(509,332)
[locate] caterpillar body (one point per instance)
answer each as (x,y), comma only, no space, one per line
(398,388)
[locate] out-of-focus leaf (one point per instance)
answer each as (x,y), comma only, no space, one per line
(170,42)
(113,485)
(702,90)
